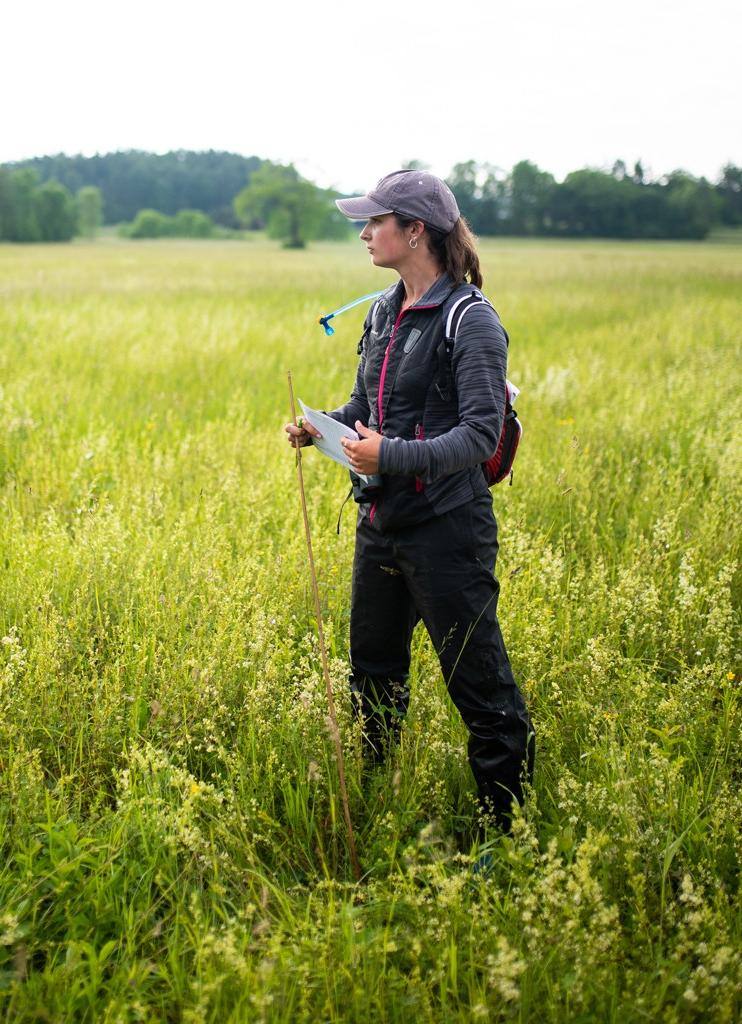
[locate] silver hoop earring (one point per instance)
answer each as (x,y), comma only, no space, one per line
(413,243)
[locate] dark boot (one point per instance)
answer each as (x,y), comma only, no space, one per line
(381,704)
(499,778)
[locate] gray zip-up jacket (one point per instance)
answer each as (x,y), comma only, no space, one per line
(431,448)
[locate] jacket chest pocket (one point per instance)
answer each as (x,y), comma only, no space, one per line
(416,369)
(412,339)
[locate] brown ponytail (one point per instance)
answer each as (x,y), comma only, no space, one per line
(456,251)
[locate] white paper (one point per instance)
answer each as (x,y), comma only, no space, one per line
(513,391)
(332,431)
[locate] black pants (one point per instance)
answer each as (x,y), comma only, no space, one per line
(440,571)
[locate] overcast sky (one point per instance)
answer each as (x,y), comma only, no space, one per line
(347,91)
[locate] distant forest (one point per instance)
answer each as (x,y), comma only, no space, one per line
(620,203)
(45,198)
(134,180)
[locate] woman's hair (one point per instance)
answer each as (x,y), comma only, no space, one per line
(455,251)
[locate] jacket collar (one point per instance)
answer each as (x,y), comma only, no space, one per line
(436,295)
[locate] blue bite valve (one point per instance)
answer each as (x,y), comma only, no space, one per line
(364,298)
(323,320)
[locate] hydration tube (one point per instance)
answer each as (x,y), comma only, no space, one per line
(356,302)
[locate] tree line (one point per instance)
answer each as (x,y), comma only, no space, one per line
(134,180)
(606,204)
(201,194)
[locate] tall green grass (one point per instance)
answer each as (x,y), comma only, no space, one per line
(173,845)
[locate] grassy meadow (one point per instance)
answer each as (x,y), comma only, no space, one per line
(172,841)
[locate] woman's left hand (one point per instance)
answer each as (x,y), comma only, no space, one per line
(364,453)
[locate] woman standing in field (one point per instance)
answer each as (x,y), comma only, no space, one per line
(426,541)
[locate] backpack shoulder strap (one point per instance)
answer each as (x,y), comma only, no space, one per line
(369,322)
(459,309)
(456,313)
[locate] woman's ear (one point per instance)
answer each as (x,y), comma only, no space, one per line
(416,228)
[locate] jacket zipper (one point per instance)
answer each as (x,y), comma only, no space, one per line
(384,366)
(382,380)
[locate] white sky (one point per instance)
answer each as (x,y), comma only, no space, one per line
(347,91)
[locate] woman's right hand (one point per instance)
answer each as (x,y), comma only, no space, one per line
(301,433)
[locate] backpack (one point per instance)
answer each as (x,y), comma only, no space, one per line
(500,464)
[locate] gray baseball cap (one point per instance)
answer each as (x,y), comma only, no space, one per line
(416,194)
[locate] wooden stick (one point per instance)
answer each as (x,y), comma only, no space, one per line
(333,722)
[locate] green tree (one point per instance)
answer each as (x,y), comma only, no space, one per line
(479,195)
(150,224)
(192,224)
(55,212)
(89,210)
(153,224)
(289,206)
(7,211)
(333,224)
(23,222)
(593,203)
(729,190)
(692,204)
(33,213)
(464,185)
(528,195)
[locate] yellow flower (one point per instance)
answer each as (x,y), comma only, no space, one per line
(730,676)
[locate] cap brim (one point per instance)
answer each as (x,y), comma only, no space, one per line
(361,208)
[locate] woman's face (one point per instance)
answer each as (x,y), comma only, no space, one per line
(387,243)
